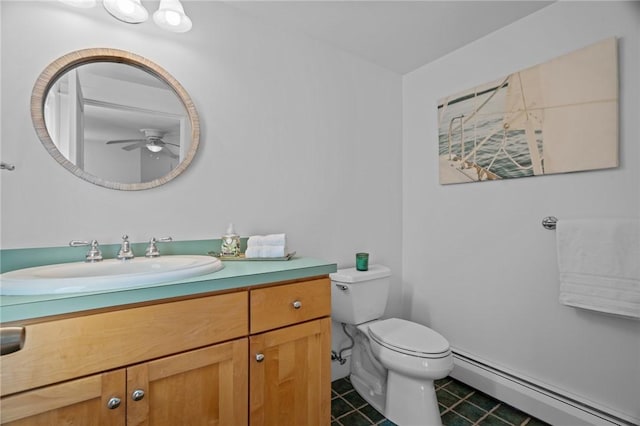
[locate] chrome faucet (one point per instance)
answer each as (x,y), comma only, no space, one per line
(125,252)
(94,254)
(152,248)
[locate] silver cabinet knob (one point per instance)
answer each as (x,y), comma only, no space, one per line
(137,395)
(113,403)
(259,357)
(297,304)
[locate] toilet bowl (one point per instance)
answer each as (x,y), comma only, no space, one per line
(394,361)
(414,356)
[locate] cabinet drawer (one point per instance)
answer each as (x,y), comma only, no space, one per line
(73,347)
(279,306)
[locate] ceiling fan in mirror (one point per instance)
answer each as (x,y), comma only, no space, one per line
(152,141)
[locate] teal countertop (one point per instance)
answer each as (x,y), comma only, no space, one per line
(235,275)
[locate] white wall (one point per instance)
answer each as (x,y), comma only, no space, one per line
(112,164)
(300,138)
(297,137)
(477,264)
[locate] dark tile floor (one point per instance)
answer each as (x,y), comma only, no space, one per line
(460,405)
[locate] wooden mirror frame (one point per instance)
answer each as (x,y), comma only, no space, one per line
(74,59)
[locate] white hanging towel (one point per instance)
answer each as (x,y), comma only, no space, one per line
(599,263)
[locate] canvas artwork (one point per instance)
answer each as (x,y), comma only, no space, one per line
(557,117)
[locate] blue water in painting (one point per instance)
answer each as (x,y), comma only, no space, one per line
(487,121)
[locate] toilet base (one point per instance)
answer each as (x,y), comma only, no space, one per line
(411,402)
(368,376)
(375,399)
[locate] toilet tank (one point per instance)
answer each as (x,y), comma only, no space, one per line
(359,296)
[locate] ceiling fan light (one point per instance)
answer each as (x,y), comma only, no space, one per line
(153,147)
(85,4)
(130,11)
(170,16)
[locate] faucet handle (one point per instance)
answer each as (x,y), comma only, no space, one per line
(125,252)
(94,254)
(152,248)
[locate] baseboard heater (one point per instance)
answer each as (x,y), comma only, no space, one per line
(553,406)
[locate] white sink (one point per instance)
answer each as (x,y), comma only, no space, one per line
(111,274)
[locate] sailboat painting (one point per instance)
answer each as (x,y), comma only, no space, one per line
(557,117)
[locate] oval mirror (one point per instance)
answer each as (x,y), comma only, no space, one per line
(115,119)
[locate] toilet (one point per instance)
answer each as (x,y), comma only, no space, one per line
(393,361)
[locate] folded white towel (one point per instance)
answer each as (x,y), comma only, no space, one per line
(599,264)
(265,252)
(267,240)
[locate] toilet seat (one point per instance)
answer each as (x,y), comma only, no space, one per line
(409,338)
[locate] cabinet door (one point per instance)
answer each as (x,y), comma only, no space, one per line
(290,375)
(202,387)
(96,400)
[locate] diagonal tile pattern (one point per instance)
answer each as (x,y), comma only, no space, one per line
(460,405)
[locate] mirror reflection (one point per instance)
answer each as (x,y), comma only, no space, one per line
(115,119)
(117,122)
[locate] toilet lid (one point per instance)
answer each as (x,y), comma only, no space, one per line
(409,337)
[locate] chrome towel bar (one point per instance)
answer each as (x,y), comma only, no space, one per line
(549,222)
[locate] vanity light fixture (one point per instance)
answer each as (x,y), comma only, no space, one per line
(170,16)
(130,11)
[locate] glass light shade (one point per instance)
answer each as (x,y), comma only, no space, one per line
(85,4)
(171,17)
(130,11)
(154,148)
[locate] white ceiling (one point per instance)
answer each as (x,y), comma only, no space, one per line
(397,35)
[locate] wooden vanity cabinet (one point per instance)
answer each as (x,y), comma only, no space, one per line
(205,386)
(85,370)
(186,362)
(289,355)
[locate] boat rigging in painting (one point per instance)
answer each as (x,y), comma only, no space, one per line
(560,116)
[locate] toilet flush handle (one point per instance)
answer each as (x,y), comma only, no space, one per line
(342,287)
